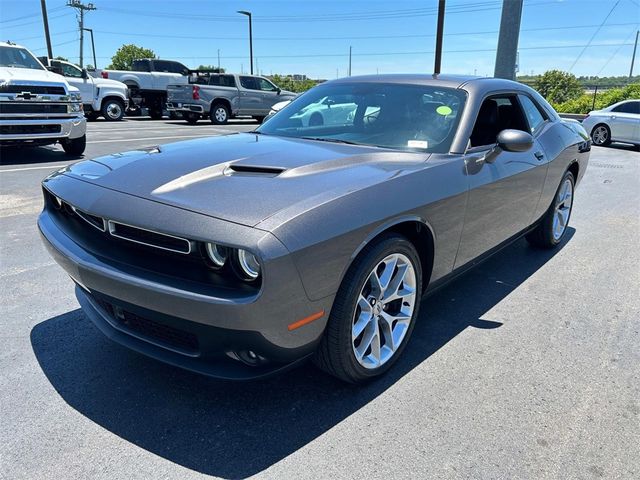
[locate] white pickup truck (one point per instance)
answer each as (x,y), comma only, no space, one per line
(101,97)
(147,82)
(38,107)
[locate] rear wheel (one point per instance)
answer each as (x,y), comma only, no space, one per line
(374,311)
(553,225)
(113,109)
(601,135)
(191,118)
(155,113)
(74,146)
(219,114)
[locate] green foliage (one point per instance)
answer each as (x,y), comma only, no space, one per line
(126,54)
(297,86)
(558,86)
(61,58)
(609,82)
(211,67)
(584,103)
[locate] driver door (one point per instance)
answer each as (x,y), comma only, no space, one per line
(505,187)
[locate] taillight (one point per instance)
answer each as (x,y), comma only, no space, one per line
(196,92)
(105,74)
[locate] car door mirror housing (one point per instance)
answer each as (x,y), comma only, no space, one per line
(515,140)
(278,90)
(85,74)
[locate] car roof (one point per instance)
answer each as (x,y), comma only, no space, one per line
(11,44)
(443,80)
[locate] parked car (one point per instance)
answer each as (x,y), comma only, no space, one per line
(619,122)
(240,255)
(224,96)
(147,82)
(101,97)
(38,107)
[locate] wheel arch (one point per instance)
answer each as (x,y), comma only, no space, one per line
(222,100)
(112,97)
(417,231)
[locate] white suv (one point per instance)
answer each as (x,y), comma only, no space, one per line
(38,107)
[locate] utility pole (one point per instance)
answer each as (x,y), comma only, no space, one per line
(248,14)
(218,60)
(508,39)
(633,56)
(81,7)
(349,60)
(45,20)
(93,47)
(439,35)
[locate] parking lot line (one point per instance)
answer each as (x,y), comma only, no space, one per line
(43,167)
(120,140)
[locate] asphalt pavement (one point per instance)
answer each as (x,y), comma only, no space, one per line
(526,367)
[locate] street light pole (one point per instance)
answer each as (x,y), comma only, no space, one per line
(248,14)
(439,34)
(93,47)
(45,20)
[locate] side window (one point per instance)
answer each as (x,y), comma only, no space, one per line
(534,117)
(266,85)
(249,83)
(628,107)
(496,114)
(71,71)
(227,81)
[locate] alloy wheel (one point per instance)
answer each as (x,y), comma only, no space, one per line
(220,114)
(114,111)
(600,135)
(384,311)
(564,202)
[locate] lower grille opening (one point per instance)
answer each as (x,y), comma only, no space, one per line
(150,238)
(26,129)
(152,330)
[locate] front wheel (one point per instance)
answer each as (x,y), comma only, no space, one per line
(219,114)
(192,118)
(601,135)
(74,146)
(553,225)
(374,311)
(113,110)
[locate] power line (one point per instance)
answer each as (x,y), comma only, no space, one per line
(594,35)
(616,52)
(14,19)
(39,20)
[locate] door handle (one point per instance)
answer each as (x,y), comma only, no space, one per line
(539,155)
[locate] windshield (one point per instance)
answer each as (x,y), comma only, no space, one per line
(18,58)
(405,117)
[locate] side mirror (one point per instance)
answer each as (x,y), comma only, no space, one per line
(515,140)
(85,74)
(278,90)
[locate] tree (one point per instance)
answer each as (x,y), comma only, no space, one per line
(126,54)
(558,86)
(61,58)
(211,67)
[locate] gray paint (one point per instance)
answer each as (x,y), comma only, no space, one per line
(308,223)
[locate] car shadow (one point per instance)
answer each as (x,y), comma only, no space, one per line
(10,155)
(236,430)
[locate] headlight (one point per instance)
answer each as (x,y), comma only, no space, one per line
(248,265)
(75,107)
(217,254)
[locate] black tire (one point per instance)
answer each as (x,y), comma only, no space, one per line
(543,236)
(335,353)
(259,119)
(74,146)
(219,114)
(192,118)
(316,120)
(601,135)
(155,114)
(112,109)
(92,116)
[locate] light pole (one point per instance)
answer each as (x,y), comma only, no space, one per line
(93,47)
(248,14)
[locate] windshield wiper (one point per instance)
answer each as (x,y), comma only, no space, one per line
(332,140)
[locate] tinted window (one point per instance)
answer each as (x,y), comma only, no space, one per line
(249,83)
(629,107)
(223,80)
(496,114)
(403,117)
(168,67)
(532,112)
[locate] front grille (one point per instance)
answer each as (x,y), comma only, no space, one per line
(29,129)
(32,108)
(152,330)
(35,89)
(149,238)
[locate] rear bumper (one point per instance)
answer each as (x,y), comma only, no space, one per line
(27,129)
(185,107)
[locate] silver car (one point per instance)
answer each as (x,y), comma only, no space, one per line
(619,122)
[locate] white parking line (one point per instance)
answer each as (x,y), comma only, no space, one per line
(50,167)
(119,140)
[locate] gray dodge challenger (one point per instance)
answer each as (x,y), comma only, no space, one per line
(318,234)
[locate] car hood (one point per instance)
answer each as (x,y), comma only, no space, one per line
(30,76)
(246,178)
(108,83)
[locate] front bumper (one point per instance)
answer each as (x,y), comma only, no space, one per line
(184,107)
(208,332)
(28,128)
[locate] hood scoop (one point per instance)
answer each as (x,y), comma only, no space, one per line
(236,169)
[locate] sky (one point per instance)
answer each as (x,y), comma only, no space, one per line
(312,37)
